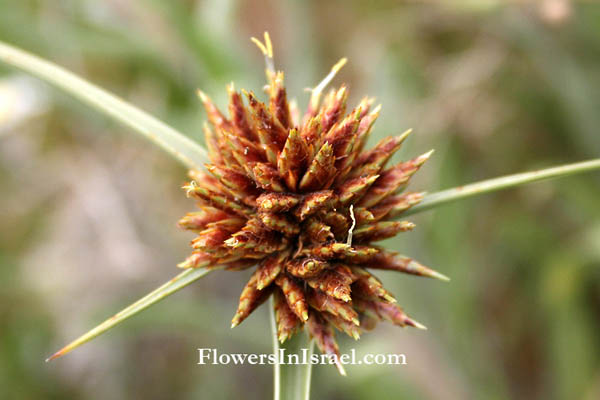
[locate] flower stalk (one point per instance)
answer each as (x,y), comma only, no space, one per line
(291,382)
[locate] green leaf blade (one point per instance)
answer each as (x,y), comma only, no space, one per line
(185,150)
(504,182)
(175,284)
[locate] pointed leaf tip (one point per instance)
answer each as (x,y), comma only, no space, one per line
(175,284)
(54,356)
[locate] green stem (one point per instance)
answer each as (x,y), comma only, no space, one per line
(178,145)
(491,185)
(291,381)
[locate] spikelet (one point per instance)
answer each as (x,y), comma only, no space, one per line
(294,294)
(333,282)
(369,287)
(287,322)
(250,298)
(323,335)
(306,267)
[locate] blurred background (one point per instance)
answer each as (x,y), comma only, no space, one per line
(88,209)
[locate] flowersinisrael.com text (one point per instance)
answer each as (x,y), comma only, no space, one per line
(208,356)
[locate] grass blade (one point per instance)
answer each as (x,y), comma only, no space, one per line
(491,185)
(187,151)
(178,282)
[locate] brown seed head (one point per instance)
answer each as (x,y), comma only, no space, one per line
(303,201)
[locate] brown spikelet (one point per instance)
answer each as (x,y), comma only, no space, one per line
(197,259)
(306,267)
(353,189)
(317,232)
(387,312)
(327,251)
(364,129)
(312,135)
(217,199)
(314,202)
(293,159)
(266,177)
(250,298)
(278,105)
(294,295)
(342,137)
(241,120)
(237,182)
(333,108)
(392,180)
(332,284)
(369,287)
(320,171)
(287,322)
(381,230)
(388,260)
(253,236)
(357,254)
(196,221)
(323,335)
(212,238)
(243,150)
(302,201)
(271,133)
(276,202)
(363,216)
(378,157)
(342,325)
(213,145)
(339,223)
(216,118)
(395,205)
(322,302)
(270,268)
(280,223)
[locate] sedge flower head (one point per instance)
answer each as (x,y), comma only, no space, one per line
(300,200)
